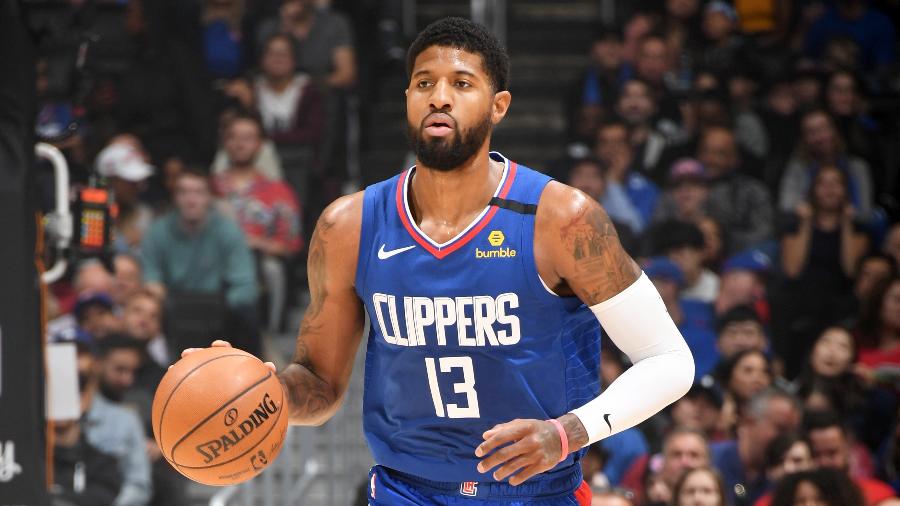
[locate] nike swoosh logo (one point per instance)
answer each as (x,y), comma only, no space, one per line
(384,255)
(606,419)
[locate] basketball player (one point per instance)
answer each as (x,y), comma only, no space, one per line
(484,282)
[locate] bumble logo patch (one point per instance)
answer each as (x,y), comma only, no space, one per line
(496,238)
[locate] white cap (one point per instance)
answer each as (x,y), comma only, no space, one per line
(123,160)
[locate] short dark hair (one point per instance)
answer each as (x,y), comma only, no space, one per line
(470,37)
(823,419)
(613,121)
(737,314)
(587,160)
(195,172)
(116,341)
(251,116)
(272,38)
(674,234)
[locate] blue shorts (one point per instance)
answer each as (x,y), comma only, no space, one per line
(388,487)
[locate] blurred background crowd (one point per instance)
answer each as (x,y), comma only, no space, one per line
(747,151)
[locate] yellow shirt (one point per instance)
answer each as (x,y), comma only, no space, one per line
(756,15)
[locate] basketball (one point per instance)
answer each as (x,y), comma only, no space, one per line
(218,416)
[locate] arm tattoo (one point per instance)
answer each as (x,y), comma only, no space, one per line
(316,269)
(602,268)
(309,396)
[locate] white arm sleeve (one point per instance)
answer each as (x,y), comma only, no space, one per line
(637,322)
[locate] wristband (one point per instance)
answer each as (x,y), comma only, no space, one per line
(563,439)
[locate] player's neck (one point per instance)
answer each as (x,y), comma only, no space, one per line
(453,197)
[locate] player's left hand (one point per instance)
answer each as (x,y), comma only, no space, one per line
(529,447)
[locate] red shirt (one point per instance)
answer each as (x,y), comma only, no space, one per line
(873,490)
(874,357)
(264,209)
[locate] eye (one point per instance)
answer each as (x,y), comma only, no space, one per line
(462,84)
(423,84)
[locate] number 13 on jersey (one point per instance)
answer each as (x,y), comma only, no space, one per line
(467,386)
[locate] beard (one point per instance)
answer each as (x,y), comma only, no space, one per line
(83,380)
(444,154)
(110,392)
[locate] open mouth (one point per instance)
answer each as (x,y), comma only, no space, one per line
(439,124)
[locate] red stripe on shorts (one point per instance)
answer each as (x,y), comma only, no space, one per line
(583,494)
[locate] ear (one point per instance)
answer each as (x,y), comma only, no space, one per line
(500,105)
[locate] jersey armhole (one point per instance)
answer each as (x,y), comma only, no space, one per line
(537,284)
(366,229)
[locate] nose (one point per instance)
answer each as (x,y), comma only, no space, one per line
(440,98)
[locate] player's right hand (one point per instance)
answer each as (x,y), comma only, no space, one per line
(524,448)
(219,343)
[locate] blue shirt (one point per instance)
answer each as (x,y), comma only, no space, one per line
(643,194)
(726,459)
(118,431)
(632,202)
(698,329)
(464,335)
(624,448)
(872,31)
(222,49)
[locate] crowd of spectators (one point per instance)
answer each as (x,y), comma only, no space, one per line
(746,152)
(219,126)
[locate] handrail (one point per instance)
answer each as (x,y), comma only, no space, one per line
(59,222)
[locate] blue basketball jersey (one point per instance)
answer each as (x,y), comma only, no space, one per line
(464,335)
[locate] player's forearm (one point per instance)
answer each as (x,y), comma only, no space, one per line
(637,322)
(643,390)
(311,400)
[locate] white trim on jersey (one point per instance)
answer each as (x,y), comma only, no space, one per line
(474,222)
(544,284)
